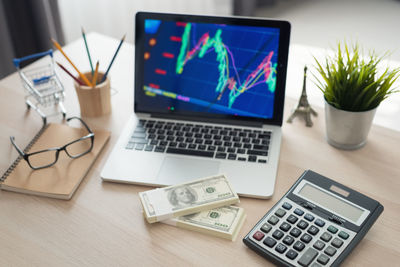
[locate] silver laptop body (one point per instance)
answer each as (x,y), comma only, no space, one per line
(209,96)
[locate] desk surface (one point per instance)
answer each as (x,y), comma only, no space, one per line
(102,225)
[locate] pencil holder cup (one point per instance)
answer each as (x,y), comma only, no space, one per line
(94,101)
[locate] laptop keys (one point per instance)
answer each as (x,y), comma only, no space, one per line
(232,156)
(159,149)
(224,143)
(201,147)
(191,146)
(260,147)
(138,140)
(182,145)
(257,152)
(154,142)
(130,146)
(190,152)
(252,158)
(221,149)
(241,151)
(148,148)
(231,150)
(220,155)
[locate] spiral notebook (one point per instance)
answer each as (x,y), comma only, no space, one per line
(60,180)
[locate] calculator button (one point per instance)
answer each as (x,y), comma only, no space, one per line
(280,213)
(326,236)
(295,232)
(286,206)
(280,248)
(343,235)
(337,243)
(313,230)
(298,212)
(270,242)
(323,259)
(306,238)
(330,251)
(266,228)
(332,229)
(285,227)
(277,234)
(288,240)
(315,265)
(308,257)
(302,224)
(292,219)
(273,220)
(258,235)
(307,206)
(309,217)
(291,254)
(319,222)
(299,246)
(319,245)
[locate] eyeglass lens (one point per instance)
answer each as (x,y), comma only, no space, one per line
(79,147)
(43,159)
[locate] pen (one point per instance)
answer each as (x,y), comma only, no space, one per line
(70,74)
(96,72)
(87,50)
(83,77)
(112,60)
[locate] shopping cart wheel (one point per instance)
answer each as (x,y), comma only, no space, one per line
(44,120)
(28,106)
(64,115)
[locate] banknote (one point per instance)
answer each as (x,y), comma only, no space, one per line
(224,222)
(191,197)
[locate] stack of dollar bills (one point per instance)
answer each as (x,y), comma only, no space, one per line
(203,205)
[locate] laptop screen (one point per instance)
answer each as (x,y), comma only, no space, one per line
(210,67)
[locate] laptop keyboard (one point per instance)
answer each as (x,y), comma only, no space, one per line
(201,140)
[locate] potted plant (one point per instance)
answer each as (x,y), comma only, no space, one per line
(353,88)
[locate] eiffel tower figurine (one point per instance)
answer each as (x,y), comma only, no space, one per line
(303,108)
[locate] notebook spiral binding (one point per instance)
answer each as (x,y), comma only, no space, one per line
(18,159)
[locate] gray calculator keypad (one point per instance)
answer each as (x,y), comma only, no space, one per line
(300,237)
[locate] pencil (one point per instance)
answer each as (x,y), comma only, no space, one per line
(94,81)
(70,74)
(112,60)
(83,77)
(87,50)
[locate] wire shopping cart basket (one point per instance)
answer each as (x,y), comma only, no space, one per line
(42,85)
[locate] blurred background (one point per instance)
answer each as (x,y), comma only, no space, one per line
(27,25)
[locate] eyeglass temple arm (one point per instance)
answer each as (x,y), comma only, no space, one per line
(16,147)
(84,123)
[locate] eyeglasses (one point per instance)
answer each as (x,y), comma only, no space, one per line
(48,157)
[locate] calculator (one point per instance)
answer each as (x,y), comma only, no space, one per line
(318,222)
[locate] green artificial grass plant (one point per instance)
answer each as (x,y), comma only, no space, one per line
(352,83)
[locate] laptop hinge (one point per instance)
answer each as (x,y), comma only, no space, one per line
(210,120)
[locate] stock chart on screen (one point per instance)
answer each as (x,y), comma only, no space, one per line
(213,68)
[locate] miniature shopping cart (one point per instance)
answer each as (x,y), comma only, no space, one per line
(42,85)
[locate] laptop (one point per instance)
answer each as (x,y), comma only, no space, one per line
(208,99)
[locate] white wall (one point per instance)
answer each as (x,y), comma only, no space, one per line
(116,17)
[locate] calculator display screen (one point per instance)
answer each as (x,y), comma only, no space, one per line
(331,202)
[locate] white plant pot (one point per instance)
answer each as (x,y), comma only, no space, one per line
(347,129)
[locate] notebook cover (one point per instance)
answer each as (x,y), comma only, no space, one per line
(62,179)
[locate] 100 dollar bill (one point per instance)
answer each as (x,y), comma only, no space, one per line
(178,200)
(224,222)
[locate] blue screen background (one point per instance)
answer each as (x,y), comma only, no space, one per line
(213,68)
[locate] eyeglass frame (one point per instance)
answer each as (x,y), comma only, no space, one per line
(26,156)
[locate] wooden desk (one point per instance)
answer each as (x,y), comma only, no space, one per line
(102,225)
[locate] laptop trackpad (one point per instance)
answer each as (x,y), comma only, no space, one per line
(177,170)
